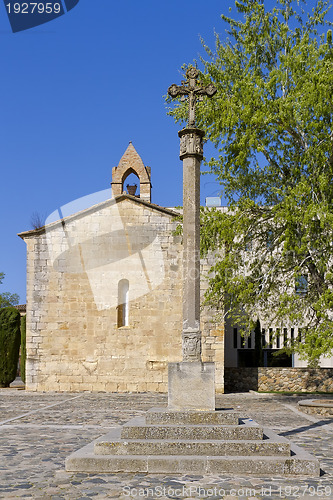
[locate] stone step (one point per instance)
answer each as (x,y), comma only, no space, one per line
(138,429)
(190,447)
(273,455)
(87,461)
(217,417)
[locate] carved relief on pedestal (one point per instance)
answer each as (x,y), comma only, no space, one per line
(183,148)
(191,345)
(191,142)
(198,144)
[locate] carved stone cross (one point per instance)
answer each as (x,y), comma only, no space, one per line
(191,381)
(194,92)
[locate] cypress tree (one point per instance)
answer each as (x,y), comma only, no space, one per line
(23,346)
(10,338)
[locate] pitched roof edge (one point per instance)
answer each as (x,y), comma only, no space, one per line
(168,211)
(117,199)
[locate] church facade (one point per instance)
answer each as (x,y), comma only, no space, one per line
(104,295)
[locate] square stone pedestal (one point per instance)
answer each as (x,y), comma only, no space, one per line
(191,386)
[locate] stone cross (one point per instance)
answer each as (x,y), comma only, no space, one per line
(194,92)
(191,153)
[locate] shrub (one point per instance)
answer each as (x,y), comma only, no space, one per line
(23,347)
(10,338)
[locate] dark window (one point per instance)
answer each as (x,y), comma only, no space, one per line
(235,338)
(278,359)
(248,358)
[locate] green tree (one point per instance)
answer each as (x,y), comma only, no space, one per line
(7,299)
(10,339)
(272,124)
(23,346)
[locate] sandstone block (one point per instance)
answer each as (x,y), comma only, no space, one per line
(191,386)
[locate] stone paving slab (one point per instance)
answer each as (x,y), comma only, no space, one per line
(39,430)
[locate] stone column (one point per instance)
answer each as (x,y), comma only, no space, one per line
(191,154)
(191,382)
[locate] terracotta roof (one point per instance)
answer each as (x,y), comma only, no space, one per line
(21,307)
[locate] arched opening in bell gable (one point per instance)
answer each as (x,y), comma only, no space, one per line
(131,183)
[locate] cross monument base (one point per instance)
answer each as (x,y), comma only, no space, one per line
(191,386)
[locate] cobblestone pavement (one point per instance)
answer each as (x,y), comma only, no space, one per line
(39,430)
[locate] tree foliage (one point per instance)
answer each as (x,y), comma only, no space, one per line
(23,346)
(271,122)
(7,299)
(10,338)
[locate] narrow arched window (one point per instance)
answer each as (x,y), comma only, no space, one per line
(123,303)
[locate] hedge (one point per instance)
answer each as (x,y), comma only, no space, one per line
(10,339)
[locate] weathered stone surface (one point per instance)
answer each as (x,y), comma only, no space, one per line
(89,462)
(271,455)
(264,466)
(317,407)
(191,335)
(173,464)
(166,416)
(192,447)
(137,429)
(191,386)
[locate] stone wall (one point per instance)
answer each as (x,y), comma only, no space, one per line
(73,270)
(212,330)
(278,379)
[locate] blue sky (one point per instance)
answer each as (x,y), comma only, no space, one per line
(76,90)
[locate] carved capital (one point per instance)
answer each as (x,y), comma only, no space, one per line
(191,345)
(191,142)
